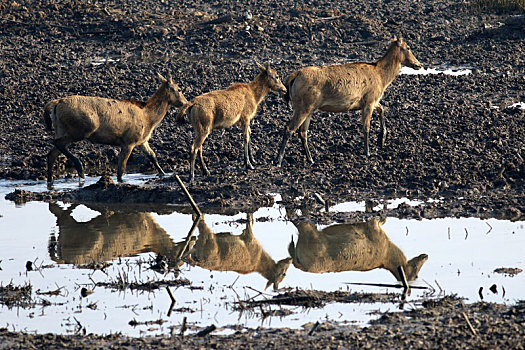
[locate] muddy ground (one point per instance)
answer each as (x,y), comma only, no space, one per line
(447,323)
(450,137)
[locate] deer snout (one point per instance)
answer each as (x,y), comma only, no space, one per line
(416,65)
(281,89)
(181,101)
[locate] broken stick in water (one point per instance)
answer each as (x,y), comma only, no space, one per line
(406,287)
(183,327)
(173,300)
(188,196)
(206,331)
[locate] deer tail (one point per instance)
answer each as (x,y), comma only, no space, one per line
(50,114)
(289,83)
(180,116)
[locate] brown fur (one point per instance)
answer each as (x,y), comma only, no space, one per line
(123,123)
(224,108)
(242,254)
(350,247)
(342,88)
(110,235)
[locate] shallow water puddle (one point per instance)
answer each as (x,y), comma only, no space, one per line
(437,70)
(58,238)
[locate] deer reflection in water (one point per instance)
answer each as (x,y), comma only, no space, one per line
(350,247)
(240,253)
(107,236)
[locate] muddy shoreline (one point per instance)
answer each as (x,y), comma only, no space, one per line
(447,323)
(455,139)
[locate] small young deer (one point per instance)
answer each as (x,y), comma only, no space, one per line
(224,108)
(124,123)
(342,88)
(240,253)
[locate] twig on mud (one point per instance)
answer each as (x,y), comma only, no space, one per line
(314,327)
(469,324)
(206,331)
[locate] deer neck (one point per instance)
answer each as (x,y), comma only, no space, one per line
(157,106)
(393,259)
(389,65)
(266,266)
(259,88)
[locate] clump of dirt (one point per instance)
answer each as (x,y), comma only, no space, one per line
(509,271)
(123,284)
(16,296)
(314,298)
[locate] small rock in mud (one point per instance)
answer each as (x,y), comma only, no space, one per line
(509,271)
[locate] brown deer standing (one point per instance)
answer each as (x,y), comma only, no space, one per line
(224,108)
(242,254)
(342,88)
(350,247)
(123,123)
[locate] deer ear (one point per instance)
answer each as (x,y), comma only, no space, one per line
(259,65)
(268,284)
(161,77)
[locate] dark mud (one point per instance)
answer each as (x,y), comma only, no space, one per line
(446,138)
(447,323)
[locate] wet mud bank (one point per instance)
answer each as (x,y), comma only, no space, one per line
(446,323)
(449,136)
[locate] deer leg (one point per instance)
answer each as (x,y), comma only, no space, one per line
(384,131)
(286,136)
(247,133)
(193,155)
(297,120)
(366,115)
(51,159)
(197,147)
(61,144)
(123,157)
(145,147)
(250,153)
(203,163)
(303,134)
